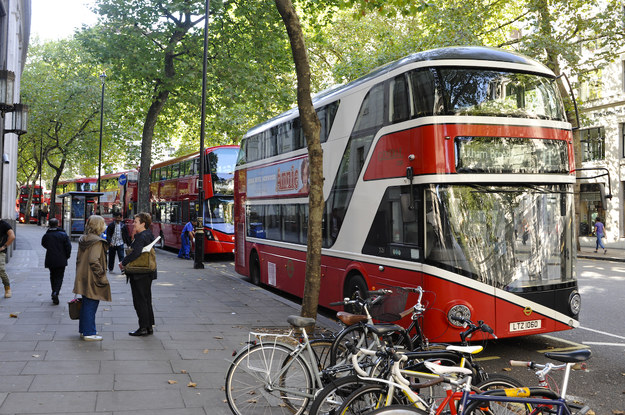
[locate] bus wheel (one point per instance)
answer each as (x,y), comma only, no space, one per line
(161,242)
(254,269)
(355,284)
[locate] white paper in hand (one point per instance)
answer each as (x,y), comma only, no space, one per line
(147,248)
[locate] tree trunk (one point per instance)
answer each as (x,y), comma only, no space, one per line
(311,127)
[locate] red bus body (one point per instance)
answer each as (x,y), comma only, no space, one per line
(476,208)
(36,202)
(174,196)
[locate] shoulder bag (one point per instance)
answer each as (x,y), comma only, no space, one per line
(146,263)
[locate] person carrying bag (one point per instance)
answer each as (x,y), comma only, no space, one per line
(140,273)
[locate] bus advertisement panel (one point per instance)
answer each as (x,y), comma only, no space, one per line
(449,169)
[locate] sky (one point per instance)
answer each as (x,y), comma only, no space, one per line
(57,19)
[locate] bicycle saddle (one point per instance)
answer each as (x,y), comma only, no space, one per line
(299,322)
(570,357)
(384,329)
(349,318)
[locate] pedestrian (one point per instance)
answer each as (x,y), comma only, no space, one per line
(141,283)
(91,282)
(58,250)
(117,235)
(7,236)
(599,232)
(44,215)
(188,234)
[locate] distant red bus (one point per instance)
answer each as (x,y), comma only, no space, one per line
(174,198)
(36,203)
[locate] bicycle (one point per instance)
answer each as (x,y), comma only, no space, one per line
(333,394)
(520,401)
(274,376)
(397,388)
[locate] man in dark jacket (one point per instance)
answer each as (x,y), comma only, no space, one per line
(58,250)
(117,235)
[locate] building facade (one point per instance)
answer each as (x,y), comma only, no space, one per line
(14,38)
(603,151)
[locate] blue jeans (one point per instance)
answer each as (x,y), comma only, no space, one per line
(86,324)
(599,242)
(119,250)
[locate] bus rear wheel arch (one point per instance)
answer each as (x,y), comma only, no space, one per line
(254,268)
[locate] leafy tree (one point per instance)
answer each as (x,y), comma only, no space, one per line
(60,83)
(311,127)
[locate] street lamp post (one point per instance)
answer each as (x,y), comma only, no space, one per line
(103,79)
(198,262)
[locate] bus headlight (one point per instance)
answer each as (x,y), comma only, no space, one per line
(209,235)
(575,302)
(459,310)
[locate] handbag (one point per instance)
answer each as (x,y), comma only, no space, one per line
(74,307)
(146,263)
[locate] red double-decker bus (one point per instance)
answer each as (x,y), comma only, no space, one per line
(449,169)
(38,201)
(174,198)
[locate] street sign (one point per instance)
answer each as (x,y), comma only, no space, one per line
(122,179)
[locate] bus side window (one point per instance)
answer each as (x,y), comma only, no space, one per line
(371,114)
(399,105)
(423,92)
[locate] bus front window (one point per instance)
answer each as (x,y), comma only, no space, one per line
(219,214)
(512,237)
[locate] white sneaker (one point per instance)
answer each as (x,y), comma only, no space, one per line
(92,338)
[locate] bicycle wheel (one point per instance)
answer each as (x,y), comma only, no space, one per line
(368,398)
(260,380)
(503,382)
(323,350)
(328,400)
(398,410)
(356,335)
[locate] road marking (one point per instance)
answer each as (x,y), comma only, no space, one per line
(606,344)
(574,345)
(603,332)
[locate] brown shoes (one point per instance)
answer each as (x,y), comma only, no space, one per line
(7,292)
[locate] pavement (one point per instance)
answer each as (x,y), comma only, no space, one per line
(202,316)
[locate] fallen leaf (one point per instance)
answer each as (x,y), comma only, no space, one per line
(617,412)
(218,337)
(172,382)
(13,315)
(252,401)
(36,355)
(507,369)
(191,384)
(205,351)
(183,371)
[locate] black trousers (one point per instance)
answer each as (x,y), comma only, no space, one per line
(142,299)
(56,278)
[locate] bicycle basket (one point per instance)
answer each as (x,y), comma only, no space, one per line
(391,305)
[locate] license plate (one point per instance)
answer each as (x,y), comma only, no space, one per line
(525,325)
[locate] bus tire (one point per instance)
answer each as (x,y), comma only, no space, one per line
(254,269)
(355,284)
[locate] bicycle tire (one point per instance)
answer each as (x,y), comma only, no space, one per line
(368,398)
(398,410)
(329,399)
(252,376)
(512,408)
(323,350)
